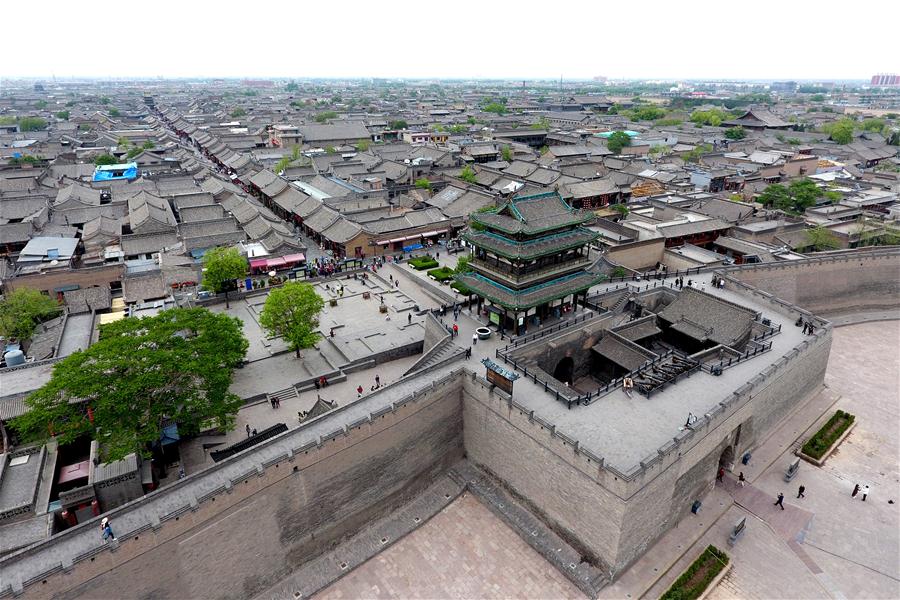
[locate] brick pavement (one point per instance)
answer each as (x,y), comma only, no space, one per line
(463,552)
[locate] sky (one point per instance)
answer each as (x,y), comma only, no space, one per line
(524,39)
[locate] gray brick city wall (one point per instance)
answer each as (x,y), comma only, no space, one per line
(260,526)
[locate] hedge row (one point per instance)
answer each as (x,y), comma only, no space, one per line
(421,263)
(442,274)
(819,444)
(689,587)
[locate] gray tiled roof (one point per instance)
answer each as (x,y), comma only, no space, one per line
(705,317)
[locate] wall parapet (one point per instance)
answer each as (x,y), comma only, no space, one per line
(39,561)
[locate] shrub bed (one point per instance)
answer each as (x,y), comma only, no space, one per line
(694,581)
(420,263)
(442,274)
(819,444)
(459,287)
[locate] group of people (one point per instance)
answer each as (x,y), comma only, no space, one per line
(679,283)
(808,328)
(717,282)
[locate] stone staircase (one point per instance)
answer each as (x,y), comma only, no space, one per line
(281,395)
(443,352)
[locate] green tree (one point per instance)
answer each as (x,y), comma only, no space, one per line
(63,114)
(141,374)
(713,117)
(874,125)
(325,115)
(291,87)
(423,184)
(238,112)
(134,151)
(820,238)
(291,312)
(467,174)
(735,133)
(804,193)
(457,129)
(543,123)
(32,124)
(506,153)
(283,164)
(7,120)
(22,309)
(399,124)
(104,100)
(114,112)
(646,113)
(362,145)
(106,159)
(774,195)
(494,107)
(330,150)
(697,153)
(26,159)
(471,120)
(817,98)
(617,141)
(148,145)
(840,131)
(620,208)
(40,104)
(462,263)
(221,267)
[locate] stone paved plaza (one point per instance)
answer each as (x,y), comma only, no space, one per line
(465,551)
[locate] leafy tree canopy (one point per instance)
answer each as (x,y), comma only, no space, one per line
(114,112)
(292,87)
(506,153)
(221,266)
(362,145)
(399,124)
(795,198)
(238,112)
(40,104)
(105,159)
(423,184)
(63,114)
(713,117)
(467,174)
(291,312)
(22,309)
(735,133)
(617,141)
(32,124)
(820,238)
(141,374)
(646,113)
(840,131)
(325,115)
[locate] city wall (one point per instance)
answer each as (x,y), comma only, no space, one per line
(832,283)
(241,526)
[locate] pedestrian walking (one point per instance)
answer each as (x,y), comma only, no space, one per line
(318,385)
(409,319)
(468,352)
(741,480)
(805,327)
(800,492)
(865,492)
(780,501)
(106,530)
(855,491)
(272,401)
(455,330)
(331,333)
(377,381)
(474,338)
(248,433)
(720,476)
(359,391)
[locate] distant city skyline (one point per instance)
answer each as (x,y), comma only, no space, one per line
(763,40)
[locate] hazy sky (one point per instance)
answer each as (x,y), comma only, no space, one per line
(798,39)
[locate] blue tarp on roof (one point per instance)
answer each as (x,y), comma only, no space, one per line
(120,171)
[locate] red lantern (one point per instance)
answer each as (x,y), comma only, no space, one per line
(90,413)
